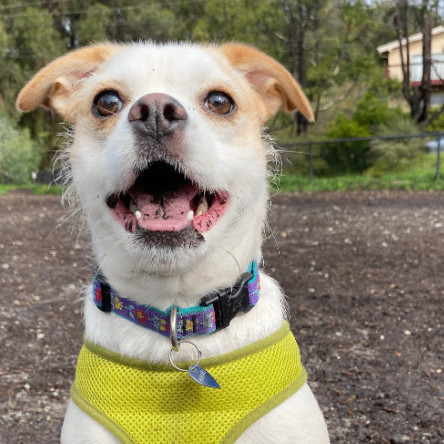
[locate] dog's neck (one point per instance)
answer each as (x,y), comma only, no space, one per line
(214,312)
(181,286)
(218,267)
(126,338)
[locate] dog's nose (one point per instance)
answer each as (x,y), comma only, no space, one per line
(157,115)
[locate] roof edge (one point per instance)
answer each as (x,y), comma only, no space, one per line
(387,47)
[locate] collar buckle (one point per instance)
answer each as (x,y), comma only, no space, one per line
(229,302)
(104,304)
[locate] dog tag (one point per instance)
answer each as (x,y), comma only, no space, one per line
(202,377)
(197,373)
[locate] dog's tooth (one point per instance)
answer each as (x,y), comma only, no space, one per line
(202,207)
(133,207)
(138,214)
(190,215)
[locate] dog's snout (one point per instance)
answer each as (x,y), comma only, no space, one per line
(157,114)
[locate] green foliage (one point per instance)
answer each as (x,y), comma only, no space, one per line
(36,38)
(372,116)
(437,124)
(88,30)
(420,176)
(338,53)
(296,161)
(396,155)
(373,111)
(348,157)
(32,41)
(17,154)
(255,22)
(344,40)
(4,38)
(149,21)
(40,189)
(36,188)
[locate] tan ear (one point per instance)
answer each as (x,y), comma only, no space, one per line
(270,79)
(53,85)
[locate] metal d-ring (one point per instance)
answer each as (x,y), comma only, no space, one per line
(175,342)
(199,355)
(173,330)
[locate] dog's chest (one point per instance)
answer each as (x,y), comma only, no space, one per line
(137,401)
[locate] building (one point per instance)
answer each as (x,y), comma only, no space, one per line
(391,51)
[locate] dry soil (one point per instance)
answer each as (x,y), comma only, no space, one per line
(363,272)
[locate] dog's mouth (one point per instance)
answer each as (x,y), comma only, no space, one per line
(163,199)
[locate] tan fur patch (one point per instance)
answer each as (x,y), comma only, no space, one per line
(53,85)
(276,86)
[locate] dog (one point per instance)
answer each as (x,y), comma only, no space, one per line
(169,164)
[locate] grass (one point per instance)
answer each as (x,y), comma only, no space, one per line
(36,188)
(289,182)
(292,183)
(419,177)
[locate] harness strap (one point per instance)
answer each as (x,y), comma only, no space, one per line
(152,403)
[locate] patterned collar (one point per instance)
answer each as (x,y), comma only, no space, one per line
(214,312)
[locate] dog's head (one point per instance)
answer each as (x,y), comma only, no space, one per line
(167,155)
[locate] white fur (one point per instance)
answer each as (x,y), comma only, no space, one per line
(217,154)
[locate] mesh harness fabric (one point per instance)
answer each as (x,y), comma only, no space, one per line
(143,403)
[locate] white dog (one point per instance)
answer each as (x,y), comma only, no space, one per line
(170,168)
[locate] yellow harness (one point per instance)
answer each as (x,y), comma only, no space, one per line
(143,403)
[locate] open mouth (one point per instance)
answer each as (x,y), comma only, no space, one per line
(162,199)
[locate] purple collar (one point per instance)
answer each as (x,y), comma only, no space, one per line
(214,312)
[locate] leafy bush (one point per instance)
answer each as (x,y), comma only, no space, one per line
(18,156)
(296,161)
(346,157)
(396,155)
(438,123)
(371,113)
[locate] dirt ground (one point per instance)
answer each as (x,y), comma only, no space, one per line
(363,272)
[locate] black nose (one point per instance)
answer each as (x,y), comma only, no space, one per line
(157,115)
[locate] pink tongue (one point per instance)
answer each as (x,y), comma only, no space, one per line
(168,212)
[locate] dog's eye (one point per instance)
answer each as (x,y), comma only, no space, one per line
(106,104)
(219,102)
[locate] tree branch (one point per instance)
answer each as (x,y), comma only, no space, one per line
(433,117)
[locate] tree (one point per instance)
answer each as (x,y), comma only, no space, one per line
(418,98)
(147,21)
(299,17)
(88,31)
(330,47)
(28,41)
(18,156)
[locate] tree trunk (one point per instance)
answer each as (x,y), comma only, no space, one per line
(301,121)
(316,25)
(417,98)
(402,31)
(426,85)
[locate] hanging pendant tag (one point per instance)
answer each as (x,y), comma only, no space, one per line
(196,372)
(202,377)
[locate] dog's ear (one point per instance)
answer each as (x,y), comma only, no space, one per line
(53,85)
(270,79)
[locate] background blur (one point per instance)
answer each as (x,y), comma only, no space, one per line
(340,51)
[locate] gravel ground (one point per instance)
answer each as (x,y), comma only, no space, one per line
(363,274)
